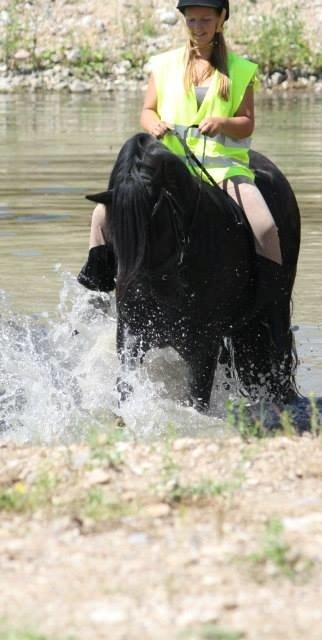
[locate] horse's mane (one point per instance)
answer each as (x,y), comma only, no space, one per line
(136,179)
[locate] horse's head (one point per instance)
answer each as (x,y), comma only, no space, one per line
(148,162)
(146,224)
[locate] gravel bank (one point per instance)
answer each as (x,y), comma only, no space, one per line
(61,45)
(184,540)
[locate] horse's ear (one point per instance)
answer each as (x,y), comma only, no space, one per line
(105,197)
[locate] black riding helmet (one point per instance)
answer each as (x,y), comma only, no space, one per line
(214,4)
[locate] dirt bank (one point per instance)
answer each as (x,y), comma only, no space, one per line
(183,539)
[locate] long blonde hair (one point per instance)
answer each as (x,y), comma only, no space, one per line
(218,60)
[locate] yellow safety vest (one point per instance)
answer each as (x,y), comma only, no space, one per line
(222,156)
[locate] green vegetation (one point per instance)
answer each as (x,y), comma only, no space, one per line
(149,29)
(174,490)
(278,40)
(49,492)
(103,447)
(7,633)
(97,506)
(287,425)
(12,38)
(275,549)
(278,553)
(47,58)
(90,62)
(22,498)
(315,417)
(210,632)
(201,490)
(240,418)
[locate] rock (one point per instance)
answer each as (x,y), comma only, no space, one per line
(4,17)
(302,82)
(74,55)
(277,78)
(311,521)
(80,458)
(100,26)
(158,510)
(35,83)
(86,21)
(183,444)
(21,55)
(169,17)
(77,86)
(138,538)
(106,85)
(108,615)
(114,610)
(60,86)
(5,85)
(122,68)
(205,610)
(97,476)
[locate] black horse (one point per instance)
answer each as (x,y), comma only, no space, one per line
(186,271)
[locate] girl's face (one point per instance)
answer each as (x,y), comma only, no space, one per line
(202,23)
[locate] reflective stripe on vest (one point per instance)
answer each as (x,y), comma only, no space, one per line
(225,141)
(219,161)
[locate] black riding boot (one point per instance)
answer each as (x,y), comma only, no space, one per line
(99,272)
(272,290)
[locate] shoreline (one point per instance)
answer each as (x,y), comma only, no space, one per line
(62,81)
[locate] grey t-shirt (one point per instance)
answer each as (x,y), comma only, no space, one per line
(200,94)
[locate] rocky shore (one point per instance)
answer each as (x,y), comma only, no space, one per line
(61,45)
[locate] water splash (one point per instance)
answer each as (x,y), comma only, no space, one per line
(58,376)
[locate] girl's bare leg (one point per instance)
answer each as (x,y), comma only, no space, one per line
(250,199)
(99,231)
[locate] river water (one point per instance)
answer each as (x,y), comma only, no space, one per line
(54,150)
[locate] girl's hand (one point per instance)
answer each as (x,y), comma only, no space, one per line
(211,126)
(159,129)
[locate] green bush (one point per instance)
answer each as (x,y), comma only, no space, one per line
(13,33)
(279,40)
(91,62)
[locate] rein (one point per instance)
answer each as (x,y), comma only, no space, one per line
(182,237)
(190,156)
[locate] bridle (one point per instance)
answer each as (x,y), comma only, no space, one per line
(181,234)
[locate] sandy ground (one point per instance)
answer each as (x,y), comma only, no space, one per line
(183,539)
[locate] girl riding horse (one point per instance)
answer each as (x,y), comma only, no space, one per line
(199,103)
(205,85)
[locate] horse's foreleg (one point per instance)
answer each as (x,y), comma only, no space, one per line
(202,361)
(131,353)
